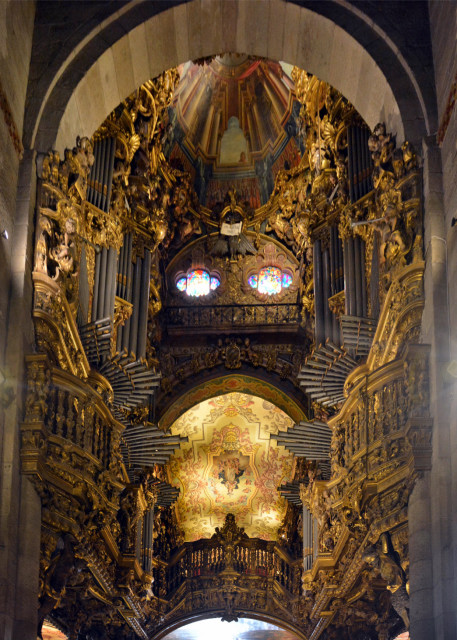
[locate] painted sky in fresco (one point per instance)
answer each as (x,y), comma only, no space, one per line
(230,465)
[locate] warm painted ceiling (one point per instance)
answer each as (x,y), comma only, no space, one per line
(230,465)
(233,125)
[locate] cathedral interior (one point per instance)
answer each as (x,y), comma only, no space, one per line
(227,356)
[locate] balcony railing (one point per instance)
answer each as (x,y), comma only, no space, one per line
(251,557)
(250,315)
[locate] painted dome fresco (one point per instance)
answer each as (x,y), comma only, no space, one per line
(233,124)
(230,465)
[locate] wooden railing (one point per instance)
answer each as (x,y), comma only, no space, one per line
(207,316)
(208,558)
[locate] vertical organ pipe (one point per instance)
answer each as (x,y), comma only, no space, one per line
(108,306)
(307,539)
(139,539)
(97,165)
(318,294)
(374,279)
(98,202)
(363,278)
(358,278)
(96,286)
(346,272)
(143,306)
(124,267)
(358,152)
(83,306)
(129,271)
(96,168)
(136,303)
(104,174)
(101,297)
(333,263)
(350,165)
(148,540)
(350,281)
(120,270)
(106,171)
(110,173)
(340,265)
(326,294)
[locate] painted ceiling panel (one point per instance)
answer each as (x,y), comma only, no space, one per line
(230,465)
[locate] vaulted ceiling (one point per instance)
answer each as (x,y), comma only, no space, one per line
(229,465)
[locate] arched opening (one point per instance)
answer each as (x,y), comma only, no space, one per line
(104,68)
(305,211)
(244,628)
(228,422)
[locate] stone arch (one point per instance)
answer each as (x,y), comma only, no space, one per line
(105,67)
(228,383)
(195,617)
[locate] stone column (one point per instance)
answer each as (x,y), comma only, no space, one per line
(420,558)
(443,515)
(20,515)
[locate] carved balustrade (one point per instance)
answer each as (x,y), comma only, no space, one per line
(251,557)
(68,430)
(230,316)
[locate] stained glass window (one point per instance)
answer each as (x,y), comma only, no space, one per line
(198,283)
(214,283)
(270,280)
(182,284)
(286,280)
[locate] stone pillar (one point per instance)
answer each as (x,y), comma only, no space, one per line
(435,331)
(20,514)
(420,558)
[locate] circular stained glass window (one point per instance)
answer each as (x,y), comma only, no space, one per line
(270,280)
(214,283)
(182,284)
(198,282)
(253,281)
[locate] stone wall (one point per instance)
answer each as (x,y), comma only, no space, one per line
(19,504)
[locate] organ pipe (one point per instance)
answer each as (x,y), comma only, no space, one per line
(354,277)
(359,162)
(318,294)
(326,293)
(101,174)
(139,539)
(133,286)
(308,539)
(83,295)
(374,279)
(136,302)
(148,540)
(143,306)
(104,285)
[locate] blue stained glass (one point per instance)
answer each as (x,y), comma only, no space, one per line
(286,280)
(270,280)
(214,283)
(182,284)
(252,281)
(198,283)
